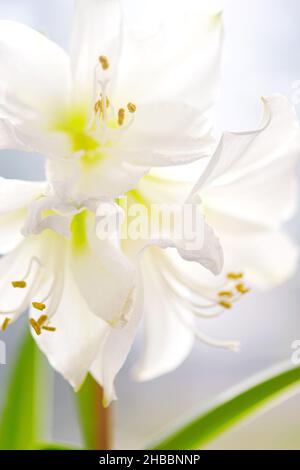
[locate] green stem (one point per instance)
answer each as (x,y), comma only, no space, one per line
(96,421)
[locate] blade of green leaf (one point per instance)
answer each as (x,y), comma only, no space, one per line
(54,446)
(201,430)
(86,408)
(26,401)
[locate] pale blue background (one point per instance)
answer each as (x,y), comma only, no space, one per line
(261,57)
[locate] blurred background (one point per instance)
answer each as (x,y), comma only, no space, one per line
(261,56)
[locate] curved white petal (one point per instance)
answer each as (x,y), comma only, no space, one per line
(11,225)
(72,347)
(181,42)
(265,196)
(181,226)
(238,154)
(109,178)
(268,258)
(166,133)
(167,341)
(113,353)
(96,32)
(105,278)
(34,70)
(23,263)
(17,194)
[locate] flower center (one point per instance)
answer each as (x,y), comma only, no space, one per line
(93,134)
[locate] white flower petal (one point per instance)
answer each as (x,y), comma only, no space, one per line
(240,153)
(181,42)
(265,196)
(167,341)
(268,258)
(166,133)
(11,225)
(96,31)
(17,194)
(194,239)
(107,178)
(72,347)
(33,69)
(114,351)
(104,277)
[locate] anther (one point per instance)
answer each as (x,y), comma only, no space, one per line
(242,289)
(20,284)
(225,304)
(39,305)
(49,328)
(101,104)
(97,106)
(121,116)
(5,323)
(225,293)
(104,62)
(131,107)
(235,275)
(35,326)
(42,320)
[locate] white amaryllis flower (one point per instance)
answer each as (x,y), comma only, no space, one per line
(247,192)
(123,102)
(85,295)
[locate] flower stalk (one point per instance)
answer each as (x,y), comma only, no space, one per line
(95,419)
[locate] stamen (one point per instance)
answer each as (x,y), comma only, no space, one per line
(225,304)
(225,293)
(242,289)
(235,276)
(49,328)
(5,323)
(131,107)
(104,62)
(97,106)
(20,284)
(121,116)
(35,326)
(39,305)
(42,320)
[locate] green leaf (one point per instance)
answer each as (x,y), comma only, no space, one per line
(26,403)
(86,398)
(54,446)
(201,430)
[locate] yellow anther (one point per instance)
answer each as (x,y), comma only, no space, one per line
(5,323)
(104,62)
(131,107)
(42,320)
(121,116)
(101,104)
(35,326)
(39,305)
(97,106)
(20,284)
(225,304)
(235,275)
(49,328)
(242,289)
(225,293)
